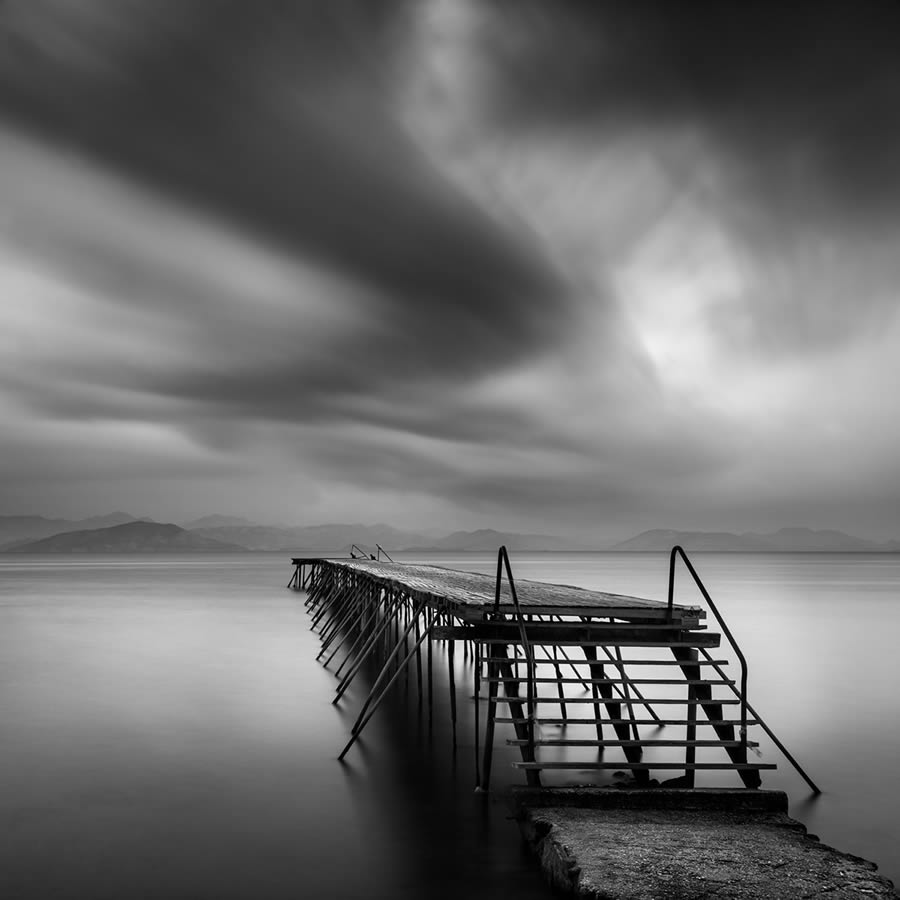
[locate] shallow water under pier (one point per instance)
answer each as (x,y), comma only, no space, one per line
(167,729)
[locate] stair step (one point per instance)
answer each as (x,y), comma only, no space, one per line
(544,661)
(728,701)
(561,625)
(650,723)
(708,640)
(523,679)
(577,742)
(629,765)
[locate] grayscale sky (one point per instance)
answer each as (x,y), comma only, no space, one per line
(574,267)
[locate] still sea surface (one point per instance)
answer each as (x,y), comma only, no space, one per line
(167,732)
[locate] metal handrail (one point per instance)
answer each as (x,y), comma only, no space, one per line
(676,551)
(745,706)
(503,560)
(765,727)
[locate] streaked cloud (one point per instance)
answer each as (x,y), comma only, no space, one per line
(538,265)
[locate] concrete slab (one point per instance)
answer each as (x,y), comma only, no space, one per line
(630,845)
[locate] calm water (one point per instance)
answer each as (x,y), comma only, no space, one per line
(167,732)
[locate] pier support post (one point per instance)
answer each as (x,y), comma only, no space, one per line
(489,725)
(354,602)
(714,712)
(559,686)
(376,641)
(589,654)
(381,675)
(614,708)
(317,586)
(504,670)
(362,721)
(451,671)
(418,667)
(620,668)
(350,625)
(333,589)
(690,751)
(476,672)
(369,629)
(431,613)
(315,583)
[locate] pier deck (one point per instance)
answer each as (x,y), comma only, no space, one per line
(471,595)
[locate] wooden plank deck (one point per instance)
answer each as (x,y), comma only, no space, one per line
(471,594)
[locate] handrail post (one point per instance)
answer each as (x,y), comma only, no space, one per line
(676,551)
(670,608)
(382,550)
(364,554)
(503,561)
(743,692)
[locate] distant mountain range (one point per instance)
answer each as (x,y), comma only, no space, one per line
(216,521)
(785,540)
(121,532)
(131,537)
(488,539)
(19,528)
(317,538)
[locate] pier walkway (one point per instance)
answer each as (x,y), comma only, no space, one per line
(588,680)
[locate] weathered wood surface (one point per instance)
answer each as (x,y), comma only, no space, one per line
(474,592)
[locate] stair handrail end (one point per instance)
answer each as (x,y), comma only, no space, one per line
(503,561)
(676,551)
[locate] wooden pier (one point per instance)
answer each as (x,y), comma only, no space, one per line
(583,673)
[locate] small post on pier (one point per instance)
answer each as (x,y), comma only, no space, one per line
(451,667)
(690,751)
(476,650)
(431,616)
(419,666)
(492,672)
(559,686)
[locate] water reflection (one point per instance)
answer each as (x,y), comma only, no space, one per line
(167,731)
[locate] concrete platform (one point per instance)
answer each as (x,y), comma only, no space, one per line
(663,844)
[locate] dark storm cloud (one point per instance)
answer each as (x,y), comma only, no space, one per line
(794,110)
(274,115)
(803,94)
(609,262)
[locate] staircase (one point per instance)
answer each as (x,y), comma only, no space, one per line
(632,692)
(670,658)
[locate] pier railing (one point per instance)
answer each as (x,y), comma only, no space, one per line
(678,551)
(531,685)
(742,694)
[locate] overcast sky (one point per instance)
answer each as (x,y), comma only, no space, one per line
(549,266)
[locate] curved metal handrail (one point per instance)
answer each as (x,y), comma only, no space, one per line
(382,550)
(503,560)
(745,706)
(676,551)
